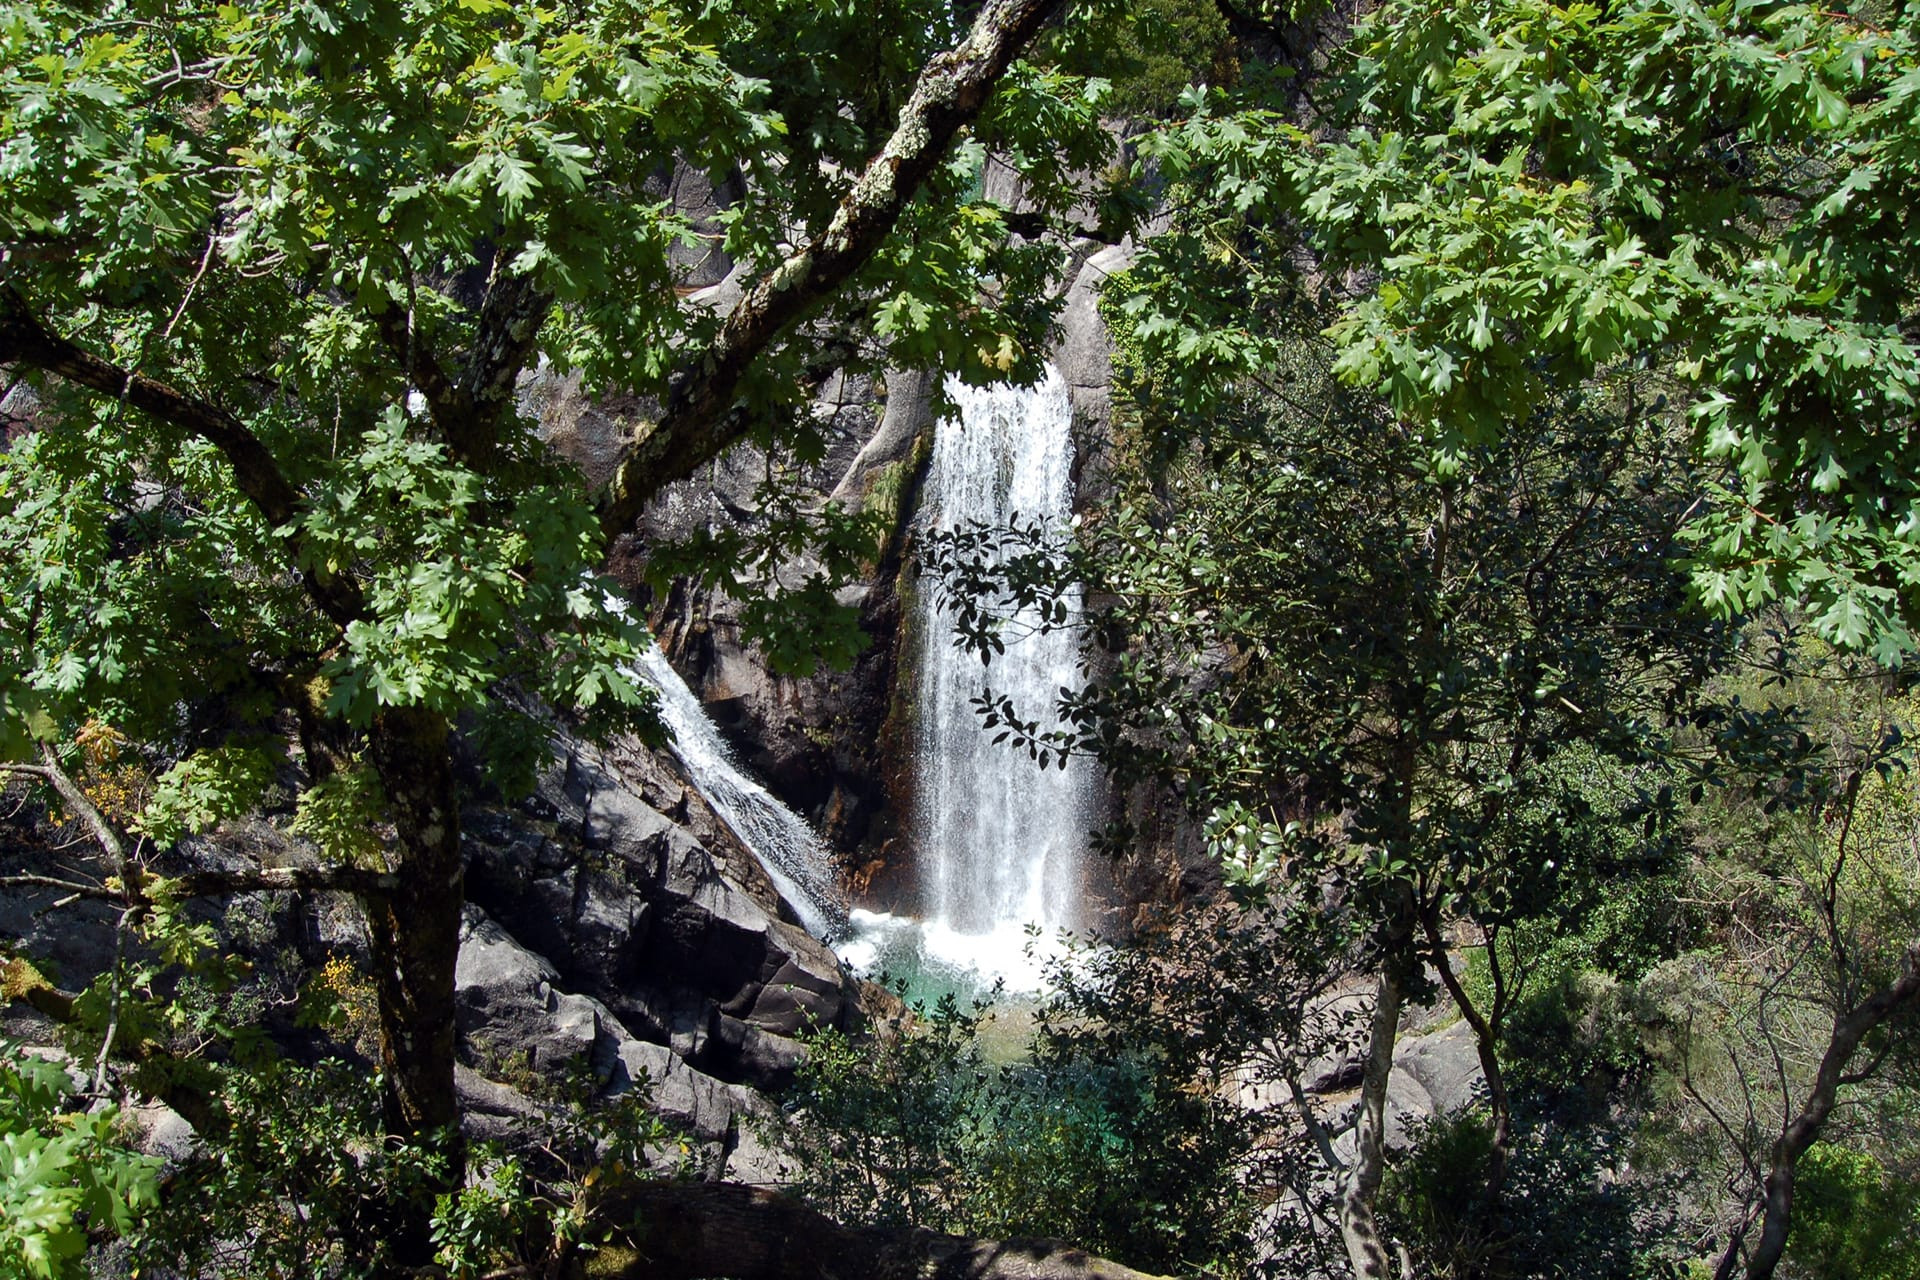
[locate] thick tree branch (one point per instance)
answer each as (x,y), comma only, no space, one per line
(24,340)
(510,320)
(1900,996)
(309,879)
(111,840)
(445,401)
(698,422)
(468,410)
(692,1230)
(212,884)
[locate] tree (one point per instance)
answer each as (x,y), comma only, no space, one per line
(1515,214)
(274,277)
(1525,194)
(1395,685)
(1797,1016)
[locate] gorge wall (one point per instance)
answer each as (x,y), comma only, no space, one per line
(838,746)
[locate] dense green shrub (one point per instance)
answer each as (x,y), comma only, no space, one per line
(294,1181)
(1166,46)
(1097,1137)
(1565,1210)
(1576,1032)
(64,1172)
(1853,1219)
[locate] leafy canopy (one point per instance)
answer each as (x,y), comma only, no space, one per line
(1530,193)
(350,228)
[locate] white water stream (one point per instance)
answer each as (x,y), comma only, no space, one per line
(793,854)
(999,840)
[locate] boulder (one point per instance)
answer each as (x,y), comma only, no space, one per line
(1446,1063)
(661,935)
(511,1011)
(515,1021)
(1085,353)
(161,1131)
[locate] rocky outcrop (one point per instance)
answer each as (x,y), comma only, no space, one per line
(607,920)
(522,1032)
(1085,352)
(834,745)
(1436,1069)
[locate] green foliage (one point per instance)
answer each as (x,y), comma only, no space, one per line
(1567,1211)
(1853,1219)
(879,1128)
(65,1174)
(338,814)
(1101,1136)
(1304,621)
(204,788)
(295,1180)
(300,217)
(795,616)
(1164,47)
(1571,1032)
(1534,194)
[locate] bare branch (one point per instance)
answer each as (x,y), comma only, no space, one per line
(95,892)
(309,879)
(110,838)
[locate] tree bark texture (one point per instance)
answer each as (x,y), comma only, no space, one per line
(692,1230)
(415,928)
(698,422)
(1359,1228)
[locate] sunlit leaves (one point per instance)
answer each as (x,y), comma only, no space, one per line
(60,1168)
(1528,194)
(341,815)
(204,788)
(301,214)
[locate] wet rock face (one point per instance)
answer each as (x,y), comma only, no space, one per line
(832,745)
(605,917)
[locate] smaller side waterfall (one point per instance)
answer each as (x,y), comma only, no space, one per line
(792,853)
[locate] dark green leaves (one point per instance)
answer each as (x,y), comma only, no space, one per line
(1531,194)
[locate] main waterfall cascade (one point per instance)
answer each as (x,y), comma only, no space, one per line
(999,841)
(795,857)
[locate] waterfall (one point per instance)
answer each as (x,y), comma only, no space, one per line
(1000,839)
(793,854)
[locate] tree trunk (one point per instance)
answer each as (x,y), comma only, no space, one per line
(415,928)
(691,1231)
(1359,1229)
(1804,1129)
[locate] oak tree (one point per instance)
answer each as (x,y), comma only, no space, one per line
(269,281)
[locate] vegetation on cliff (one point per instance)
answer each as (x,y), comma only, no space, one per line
(1510,563)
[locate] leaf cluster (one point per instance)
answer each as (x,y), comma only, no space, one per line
(65,1173)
